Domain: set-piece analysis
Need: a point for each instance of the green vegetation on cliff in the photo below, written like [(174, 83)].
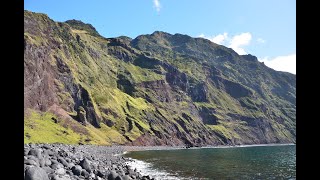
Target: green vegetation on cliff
[(157, 89)]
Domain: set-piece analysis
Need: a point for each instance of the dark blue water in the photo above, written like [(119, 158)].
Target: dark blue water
[(257, 162)]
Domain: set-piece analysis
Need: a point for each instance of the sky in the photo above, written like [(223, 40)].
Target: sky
[(263, 28)]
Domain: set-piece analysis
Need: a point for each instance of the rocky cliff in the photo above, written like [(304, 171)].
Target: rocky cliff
[(156, 89)]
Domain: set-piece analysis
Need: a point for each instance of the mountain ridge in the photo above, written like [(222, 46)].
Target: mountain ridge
[(156, 89)]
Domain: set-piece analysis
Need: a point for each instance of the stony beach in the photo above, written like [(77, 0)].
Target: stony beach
[(74, 162)]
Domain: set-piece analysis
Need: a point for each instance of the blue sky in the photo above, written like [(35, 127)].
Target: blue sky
[(264, 28)]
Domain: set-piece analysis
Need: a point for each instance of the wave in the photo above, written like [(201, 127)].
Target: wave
[(146, 169)]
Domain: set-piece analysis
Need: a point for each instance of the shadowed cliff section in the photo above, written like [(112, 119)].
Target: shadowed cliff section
[(157, 89)]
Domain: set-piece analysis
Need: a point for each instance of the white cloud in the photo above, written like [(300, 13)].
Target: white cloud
[(219, 39), (157, 5), (202, 35), (235, 42), (260, 40), (281, 63), (240, 40)]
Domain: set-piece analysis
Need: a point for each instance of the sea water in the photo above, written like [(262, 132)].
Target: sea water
[(246, 162)]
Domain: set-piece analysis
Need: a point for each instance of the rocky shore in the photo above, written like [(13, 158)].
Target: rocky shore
[(75, 162)]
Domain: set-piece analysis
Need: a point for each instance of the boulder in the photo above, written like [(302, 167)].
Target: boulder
[(35, 152), (76, 170), (85, 164), (36, 173), (113, 175)]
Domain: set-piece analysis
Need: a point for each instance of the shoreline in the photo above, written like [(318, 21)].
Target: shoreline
[(71, 162), (154, 148)]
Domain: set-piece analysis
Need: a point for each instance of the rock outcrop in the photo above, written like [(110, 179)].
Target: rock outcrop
[(157, 89)]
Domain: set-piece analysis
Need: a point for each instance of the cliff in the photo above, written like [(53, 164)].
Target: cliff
[(156, 89)]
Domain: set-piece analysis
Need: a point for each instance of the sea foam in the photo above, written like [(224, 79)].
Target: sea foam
[(145, 169)]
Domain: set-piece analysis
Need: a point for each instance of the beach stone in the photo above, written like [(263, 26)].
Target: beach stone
[(85, 173), (50, 153), (28, 166), (112, 175), (145, 177), (76, 170), (56, 166), (126, 177), (46, 146), (100, 174), (31, 162), (88, 162), (53, 161), (130, 171), (35, 152), (48, 162), (115, 167), (118, 178), (36, 173), (70, 165), (33, 158), (56, 177), (42, 162), (98, 178), (85, 164), (69, 172), (26, 151), (63, 153), (60, 171), (63, 162), (92, 175), (68, 160), (48, 170)]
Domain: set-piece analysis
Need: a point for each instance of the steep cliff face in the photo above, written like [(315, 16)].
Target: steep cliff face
[(157, 89)]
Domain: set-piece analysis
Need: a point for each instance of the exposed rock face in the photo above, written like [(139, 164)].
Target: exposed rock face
[(157, 89)]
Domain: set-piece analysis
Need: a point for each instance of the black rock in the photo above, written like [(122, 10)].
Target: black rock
[(100, 174), (85, 164), (146, 177), (118, 178), (69, 172), (85, 173), (36, 173), (76, 170)]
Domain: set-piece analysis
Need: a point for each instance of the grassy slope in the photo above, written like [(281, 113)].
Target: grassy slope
[(99, 76), (39, 127)]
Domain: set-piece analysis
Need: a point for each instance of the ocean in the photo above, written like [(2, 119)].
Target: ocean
[(244, 162)]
